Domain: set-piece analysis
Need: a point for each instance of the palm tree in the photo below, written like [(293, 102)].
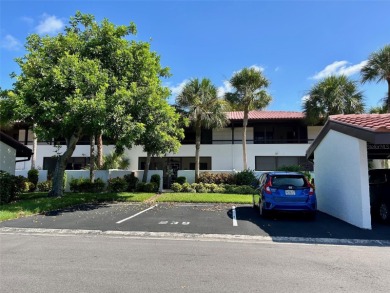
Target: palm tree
[(330, 96), (200, 101), (250, 94), (378, 68)]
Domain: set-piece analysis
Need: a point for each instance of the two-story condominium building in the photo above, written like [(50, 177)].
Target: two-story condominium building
[(274, 139)]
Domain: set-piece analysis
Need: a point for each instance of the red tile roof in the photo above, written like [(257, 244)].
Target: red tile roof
[(265, 115), (372, 122)]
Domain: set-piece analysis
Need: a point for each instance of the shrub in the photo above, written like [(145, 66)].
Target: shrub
[(85, 185), (117, 184), (151, 187), (181, 180), (244, 189), (140, 186), (246, 177), (131, 181), (210, 186), (31, 187), (10, 187), (219, 189), (33, 176), (291, 168), (200, 187), (155, 179), (296, 168), (176, 187), (146, 187), (220, 178), (44, 186)]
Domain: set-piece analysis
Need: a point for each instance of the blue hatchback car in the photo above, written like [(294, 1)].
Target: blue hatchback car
[(285, 191)]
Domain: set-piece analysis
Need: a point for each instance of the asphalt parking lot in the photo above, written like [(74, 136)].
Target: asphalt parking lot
[(197, 218)]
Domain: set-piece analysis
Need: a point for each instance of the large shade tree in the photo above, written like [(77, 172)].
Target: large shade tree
[(72, 85), (330, 96), (199, 100), (249, 94), (378, 68), (163, 127)]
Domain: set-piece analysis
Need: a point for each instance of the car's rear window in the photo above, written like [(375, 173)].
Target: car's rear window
[(291, 180)]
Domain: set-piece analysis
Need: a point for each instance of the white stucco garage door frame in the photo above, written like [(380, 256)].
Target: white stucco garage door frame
[(341, 164)]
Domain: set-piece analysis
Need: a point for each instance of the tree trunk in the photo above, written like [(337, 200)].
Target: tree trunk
[(58, 178), (92, 159), (34, 149), (99, 161), (244, 125), (147, 165), (198, 131)]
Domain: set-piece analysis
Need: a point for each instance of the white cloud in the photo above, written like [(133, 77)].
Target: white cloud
[(175, 90), (10, 43), (27, 20), (305, 98), (225, 88), (339, 68), (258, 68), (49, 25)]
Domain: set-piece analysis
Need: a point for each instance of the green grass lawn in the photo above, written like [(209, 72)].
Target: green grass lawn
[(28, 204), (38, 202)]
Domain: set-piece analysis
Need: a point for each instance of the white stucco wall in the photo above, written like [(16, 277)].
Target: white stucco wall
[(341, 174), (224, 156), (7, 158)]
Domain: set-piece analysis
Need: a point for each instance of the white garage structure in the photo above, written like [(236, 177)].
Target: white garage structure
[(341, 152)]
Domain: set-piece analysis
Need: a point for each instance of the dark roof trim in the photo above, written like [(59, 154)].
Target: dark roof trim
[(358, 132), (21, 149)]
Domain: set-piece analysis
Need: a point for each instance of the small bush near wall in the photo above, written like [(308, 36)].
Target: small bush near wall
[(117, 184), (44, 186), (85, 185), (10, 186), (246, 177), (296, 168), (212, 188), (176, 187), (181, 180), (155, 179), (147, 187), (33, 177), (220, 178), (132, 181)]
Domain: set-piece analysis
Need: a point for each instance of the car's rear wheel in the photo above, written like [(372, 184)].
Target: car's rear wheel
[(384, 212)]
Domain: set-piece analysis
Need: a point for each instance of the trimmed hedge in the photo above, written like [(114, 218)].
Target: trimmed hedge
[(85, 185), (212, 188)]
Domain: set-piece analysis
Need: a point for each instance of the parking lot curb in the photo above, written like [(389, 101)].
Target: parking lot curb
[(195, 236)]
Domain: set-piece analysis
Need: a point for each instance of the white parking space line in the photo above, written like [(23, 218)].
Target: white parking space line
[(121, 221), (234, 216)]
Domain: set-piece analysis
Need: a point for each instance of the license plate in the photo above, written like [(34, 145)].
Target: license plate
[(290, 192)]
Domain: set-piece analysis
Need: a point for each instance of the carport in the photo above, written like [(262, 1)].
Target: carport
[(341, 153)]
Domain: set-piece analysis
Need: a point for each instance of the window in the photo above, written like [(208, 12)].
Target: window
[(272, 163)]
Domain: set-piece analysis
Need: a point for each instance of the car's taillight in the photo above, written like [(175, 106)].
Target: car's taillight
[(311, 190), (267, 188)]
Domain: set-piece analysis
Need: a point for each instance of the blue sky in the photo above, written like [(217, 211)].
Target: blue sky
[(294, 43)]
